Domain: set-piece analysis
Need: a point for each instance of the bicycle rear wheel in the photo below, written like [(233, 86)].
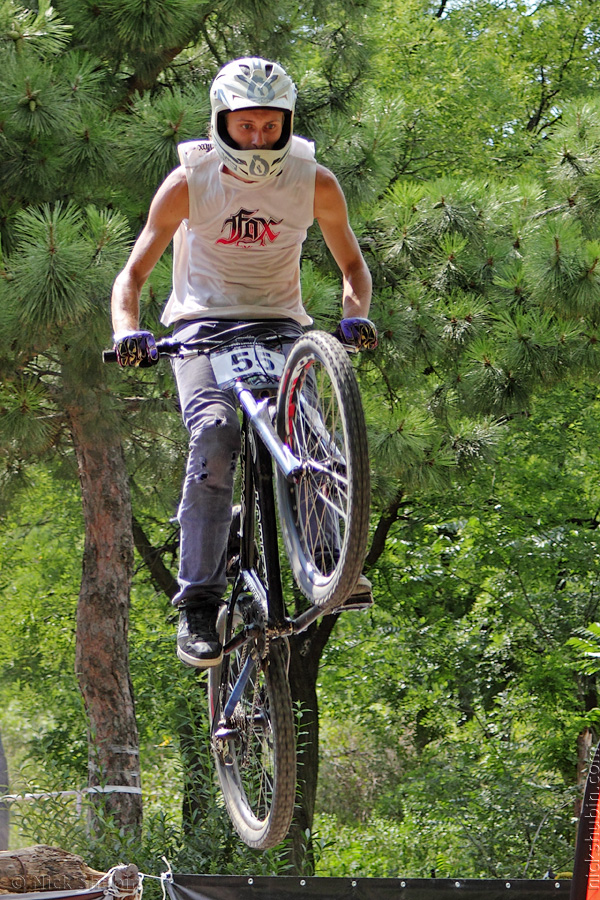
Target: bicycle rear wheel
[(325, 515), (255, 747)]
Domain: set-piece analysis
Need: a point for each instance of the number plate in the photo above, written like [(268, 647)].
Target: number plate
[(253, 364)]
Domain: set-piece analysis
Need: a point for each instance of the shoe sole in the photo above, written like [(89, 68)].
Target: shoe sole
[(355, 603), (195, 663)]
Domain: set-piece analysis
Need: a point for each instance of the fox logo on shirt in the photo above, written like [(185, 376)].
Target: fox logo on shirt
[(245, 227)]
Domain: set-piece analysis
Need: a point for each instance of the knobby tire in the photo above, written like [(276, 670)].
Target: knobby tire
[(325, 515), (257, 767)]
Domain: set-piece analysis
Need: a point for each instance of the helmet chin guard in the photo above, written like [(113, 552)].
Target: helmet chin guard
[(250, 83)]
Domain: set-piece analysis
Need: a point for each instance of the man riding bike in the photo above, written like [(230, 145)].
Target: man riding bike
[(237, 209)]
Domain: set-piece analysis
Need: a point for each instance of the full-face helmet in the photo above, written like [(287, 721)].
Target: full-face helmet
[(244, 84)]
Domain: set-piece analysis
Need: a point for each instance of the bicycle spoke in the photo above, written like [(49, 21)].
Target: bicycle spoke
[(323, 492)]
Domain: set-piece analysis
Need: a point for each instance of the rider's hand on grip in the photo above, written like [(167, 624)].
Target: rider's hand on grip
[(136, 348), (357, 332)]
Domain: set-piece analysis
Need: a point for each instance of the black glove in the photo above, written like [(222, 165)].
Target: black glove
[(357, 332), (136, 348)]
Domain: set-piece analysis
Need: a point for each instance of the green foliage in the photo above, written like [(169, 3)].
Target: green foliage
[(40, 30), (149, 149), (467, 144), (43, 722), (461, 691), (45, 277), (587, 645), (484, 83)]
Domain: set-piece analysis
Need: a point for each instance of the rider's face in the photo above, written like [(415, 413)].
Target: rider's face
[(255, 129)]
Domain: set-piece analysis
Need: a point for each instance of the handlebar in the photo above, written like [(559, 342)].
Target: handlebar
[(262, 331)]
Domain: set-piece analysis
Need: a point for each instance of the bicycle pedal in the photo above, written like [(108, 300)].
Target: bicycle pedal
[(224, 754), (224, 733)]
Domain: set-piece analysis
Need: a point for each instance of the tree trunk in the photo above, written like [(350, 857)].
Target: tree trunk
[(306, 650), (4, 809), (102, 654)]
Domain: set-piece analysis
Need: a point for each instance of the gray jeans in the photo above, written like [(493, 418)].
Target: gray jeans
[(204, 515)]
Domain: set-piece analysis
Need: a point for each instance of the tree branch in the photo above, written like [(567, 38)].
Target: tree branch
[(547, 96), (387, 519), (139, 84), (162, 579)]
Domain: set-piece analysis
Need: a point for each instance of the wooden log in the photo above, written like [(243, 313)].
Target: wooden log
[(44, 868)]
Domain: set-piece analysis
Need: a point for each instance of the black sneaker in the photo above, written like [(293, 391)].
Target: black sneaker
[(198, 643)]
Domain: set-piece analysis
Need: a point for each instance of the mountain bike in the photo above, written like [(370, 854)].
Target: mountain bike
[(302, 420)]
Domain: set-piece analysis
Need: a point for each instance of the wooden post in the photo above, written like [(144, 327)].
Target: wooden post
[(124, 882)]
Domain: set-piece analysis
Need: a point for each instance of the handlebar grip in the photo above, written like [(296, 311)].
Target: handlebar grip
[(166, 347)]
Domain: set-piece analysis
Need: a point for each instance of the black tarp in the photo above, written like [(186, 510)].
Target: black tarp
[(262, 887), (83, 894)]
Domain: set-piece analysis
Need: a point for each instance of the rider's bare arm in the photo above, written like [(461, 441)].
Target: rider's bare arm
[(331, 212), (169, 207)]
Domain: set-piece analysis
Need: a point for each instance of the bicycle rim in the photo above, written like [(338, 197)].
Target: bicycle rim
[(254, 751), (325, 515)]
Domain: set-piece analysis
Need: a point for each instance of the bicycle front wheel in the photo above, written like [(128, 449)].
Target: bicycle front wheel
[(254, 747), (325, 515)]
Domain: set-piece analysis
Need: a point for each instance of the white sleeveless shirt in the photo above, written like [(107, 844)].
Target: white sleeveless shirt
[(237, 256)]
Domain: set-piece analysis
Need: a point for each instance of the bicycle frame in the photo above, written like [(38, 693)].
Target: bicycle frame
[(257, 421), (261, 444)]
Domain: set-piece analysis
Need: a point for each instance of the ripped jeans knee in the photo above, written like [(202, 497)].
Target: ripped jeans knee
[(213, 452)]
